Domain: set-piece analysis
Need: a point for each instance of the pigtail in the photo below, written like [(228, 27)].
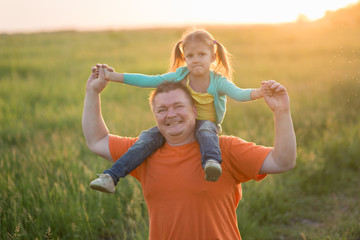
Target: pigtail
[(177, 57), (222, 61)]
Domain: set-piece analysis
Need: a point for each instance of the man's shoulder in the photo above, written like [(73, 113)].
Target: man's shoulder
[(231, 143), (230, 138), (116, 138), (242, 159), (119, 145)]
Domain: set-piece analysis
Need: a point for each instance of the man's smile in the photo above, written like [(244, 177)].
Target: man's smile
[(173, 123)]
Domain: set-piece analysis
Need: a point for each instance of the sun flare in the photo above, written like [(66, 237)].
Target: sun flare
[(50, 16), (258, 11), (314, 10)]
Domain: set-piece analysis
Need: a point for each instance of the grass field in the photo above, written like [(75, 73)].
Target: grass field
[(46, 167)]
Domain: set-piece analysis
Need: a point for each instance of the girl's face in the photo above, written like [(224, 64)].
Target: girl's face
[(198, 58)]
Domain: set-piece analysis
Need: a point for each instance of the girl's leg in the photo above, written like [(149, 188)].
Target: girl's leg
[(207, 137), (149, 141)]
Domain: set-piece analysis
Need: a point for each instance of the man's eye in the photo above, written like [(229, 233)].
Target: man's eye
[(161, 111)]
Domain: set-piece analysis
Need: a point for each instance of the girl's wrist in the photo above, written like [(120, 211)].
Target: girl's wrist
[(256, 94), (115, 77)]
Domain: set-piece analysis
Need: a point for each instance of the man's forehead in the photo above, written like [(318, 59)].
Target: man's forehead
[(170, 98)]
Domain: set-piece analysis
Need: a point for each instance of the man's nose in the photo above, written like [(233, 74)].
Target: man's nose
[(171, 112)]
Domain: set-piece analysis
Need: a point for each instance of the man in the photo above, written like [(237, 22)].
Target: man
[(181, 204)]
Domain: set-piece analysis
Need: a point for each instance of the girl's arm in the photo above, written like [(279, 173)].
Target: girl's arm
[(147, 81), (240, 94), (110, 73), (114, 76), (135, 79), (141, 80), (229, 89)]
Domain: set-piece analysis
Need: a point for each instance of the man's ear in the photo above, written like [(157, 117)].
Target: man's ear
[(195, 111)]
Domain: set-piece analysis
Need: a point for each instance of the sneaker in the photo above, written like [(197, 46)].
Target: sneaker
[(212, 170), (104, 183)]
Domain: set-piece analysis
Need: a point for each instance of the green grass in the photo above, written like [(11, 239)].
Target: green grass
[(45, 165)]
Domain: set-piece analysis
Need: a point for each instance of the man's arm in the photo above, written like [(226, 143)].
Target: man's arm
[(283, 157), (94, 128)]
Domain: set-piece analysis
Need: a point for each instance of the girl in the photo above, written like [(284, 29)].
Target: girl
[(202, 64)]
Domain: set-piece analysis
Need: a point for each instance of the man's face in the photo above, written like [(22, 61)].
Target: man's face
[(175, 116)]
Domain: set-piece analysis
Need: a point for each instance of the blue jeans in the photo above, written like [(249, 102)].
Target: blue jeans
[(207, 137), (150, 140)]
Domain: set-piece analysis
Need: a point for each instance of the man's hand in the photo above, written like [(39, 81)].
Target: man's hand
[(96, 81), (109, 72), (106, 68), (276, 96)]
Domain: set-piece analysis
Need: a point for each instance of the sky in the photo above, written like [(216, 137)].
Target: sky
[(54, 15)]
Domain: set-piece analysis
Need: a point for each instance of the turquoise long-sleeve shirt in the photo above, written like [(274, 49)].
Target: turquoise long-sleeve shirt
[(219, 87)]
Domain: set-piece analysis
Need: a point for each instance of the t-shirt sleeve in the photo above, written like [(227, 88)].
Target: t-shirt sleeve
[(243, 159), (118, 146)]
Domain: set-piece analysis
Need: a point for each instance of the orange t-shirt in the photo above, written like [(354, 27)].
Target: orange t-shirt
[(181, 204)]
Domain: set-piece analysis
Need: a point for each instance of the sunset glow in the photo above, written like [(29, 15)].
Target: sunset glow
[(47, 15)]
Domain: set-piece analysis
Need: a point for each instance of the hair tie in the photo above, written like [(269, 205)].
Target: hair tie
[(215, 42)]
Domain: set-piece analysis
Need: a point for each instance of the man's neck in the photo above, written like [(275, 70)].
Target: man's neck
[(179, 142)]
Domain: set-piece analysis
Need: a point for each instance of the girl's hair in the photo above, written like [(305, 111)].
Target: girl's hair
[(221, 65)]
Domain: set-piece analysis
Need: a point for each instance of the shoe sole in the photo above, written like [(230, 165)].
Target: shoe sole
[(100, 188), (212, 174)]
